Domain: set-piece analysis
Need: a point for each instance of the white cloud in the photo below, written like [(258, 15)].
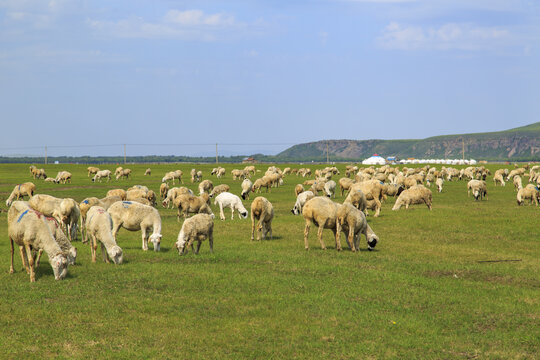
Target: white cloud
[(198, 18), (449, 36)]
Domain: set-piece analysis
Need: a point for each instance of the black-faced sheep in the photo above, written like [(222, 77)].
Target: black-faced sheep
[(353, 221), (301, 199)]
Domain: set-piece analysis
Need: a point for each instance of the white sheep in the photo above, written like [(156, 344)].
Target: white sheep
[(301, 199), (99, 227), (29, 230), (529, 192), (263, 211), (518, 184), (189, 204), (148, 172), (478, 188), (219, 189), (322, 212), (20, 190), (226, 199), (102, 174), (196, 228), (330, 188), (66, 211), (247, 187), (173, 193), (353, 221), (418, 194), (205, 186), (133, 216), (439, 183)]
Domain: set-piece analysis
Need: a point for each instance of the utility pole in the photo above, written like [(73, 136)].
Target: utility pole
[(216, 154), (462, 149), (45, 155), (124, 154), (327, 160)]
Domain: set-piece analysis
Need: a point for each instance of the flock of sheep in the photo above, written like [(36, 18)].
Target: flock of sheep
[(50, 224)]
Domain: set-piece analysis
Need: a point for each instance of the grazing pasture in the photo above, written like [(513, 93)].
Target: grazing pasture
[(430, 289)]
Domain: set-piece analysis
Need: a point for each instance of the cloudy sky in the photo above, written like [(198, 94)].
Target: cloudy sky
[(265, 74)]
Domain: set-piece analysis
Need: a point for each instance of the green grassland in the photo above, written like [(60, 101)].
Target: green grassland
[(422, 294)]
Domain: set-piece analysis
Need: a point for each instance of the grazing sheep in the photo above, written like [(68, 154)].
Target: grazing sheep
[(418, 194), (29, 230), (392, 189), (298, 189), (317, 186), (63, 177), (66, 211), (520, 171), (189, 204), (205, 186), (92, 170), (118, 170), (353, 221), (21, 190), (124, 173), (345, 184), (163, 188), (148, 172), (373, 190), (247, 187), (220, 172), (62, 240), (117, 192), (322, 212), (498, 178), (239, 174), (196, 228), (528, 192), (478, 188), (99, 226), (226, 199), (195, 175), (135, 193), (174, 193), (263, 211), (301, 199), (133, 216), (198, 176), (102, 174), (439, 183), (170, 176), (357, 199), (330, 188), (518, 184), (260, 183), (219, 189), (50, 179)]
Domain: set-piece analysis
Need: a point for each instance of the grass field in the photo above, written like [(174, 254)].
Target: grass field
[(422, 294)]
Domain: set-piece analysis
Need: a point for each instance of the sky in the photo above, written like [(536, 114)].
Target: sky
[(173, 77)]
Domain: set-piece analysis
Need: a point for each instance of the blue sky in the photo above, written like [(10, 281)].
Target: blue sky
[(260, 72)]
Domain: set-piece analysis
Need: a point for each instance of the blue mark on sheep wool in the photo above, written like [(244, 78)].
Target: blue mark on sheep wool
[(127, 202), (537, 188), (85, 202), (20, 217)]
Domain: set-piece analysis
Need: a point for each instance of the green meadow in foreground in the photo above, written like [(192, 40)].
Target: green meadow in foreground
[(425, 292)]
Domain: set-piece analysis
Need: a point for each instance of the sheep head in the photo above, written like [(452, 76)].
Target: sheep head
[(72, 256), (372, 240), (156, 240), (59, 264), (180, 243), (116, 254)]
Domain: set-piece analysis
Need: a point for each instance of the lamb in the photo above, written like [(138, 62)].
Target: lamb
[(518, 184), (197, 228), (21, 190), (351, 219), (148, 172), (66, 211), (232, 201), (125, 173), (263, 211), (322, 212), (330, 188), (29, 230), (192, 204), (133, 216), (418, 194), (247, 187), (102, 174), (99, 226), (205, 186), (298, 189), (250, 169), (528, 192), (174, 193), (478, 188), (92, 170), (117, 192), (219, 189), (301, 199), (439, 183)]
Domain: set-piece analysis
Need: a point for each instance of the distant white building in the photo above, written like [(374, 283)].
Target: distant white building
[(374, 160), (439, 161)]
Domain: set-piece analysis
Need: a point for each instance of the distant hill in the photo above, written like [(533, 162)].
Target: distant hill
[(518, 144)]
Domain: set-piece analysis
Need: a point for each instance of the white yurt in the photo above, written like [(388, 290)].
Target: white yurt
[(374, 160)]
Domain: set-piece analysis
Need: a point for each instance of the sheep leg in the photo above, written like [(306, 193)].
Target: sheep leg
[(232, 213), (40, 252), (377, 207), (268, 230), (252, 226), (11, 269), (144, 239), (306, 233), (350, 240), (338, 239), (221, 214), (93, 247), (30, 262), (198, 247), (319, 235), (211, 240), (115, 229), (104, 254)]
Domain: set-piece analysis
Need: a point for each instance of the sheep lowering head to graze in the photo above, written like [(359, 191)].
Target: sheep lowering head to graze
[(247, 187), (478, 188), (529, 192), (124, 173), (102, 174), (92, 170), (357, 198), (21, 190), (298, 189), (226, 199), (133, 216), (330, 188), (196, 228), (263, 211), (345, 184), (322, 212), (29, 230), (99, 227), (301, 199), (439, 183), (189, 204), (373, 190), (173, 193), (148, 172), (66, 211), (418, 194), (163, 188), (353, 221), (205, 186), (219, 189), (518, 184)]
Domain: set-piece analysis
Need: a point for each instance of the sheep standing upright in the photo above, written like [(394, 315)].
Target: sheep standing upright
[(29, 230), (226, 199), (133, 216), (353, 221), (322, 212), (196, 228), (99, 227), (263, 211)]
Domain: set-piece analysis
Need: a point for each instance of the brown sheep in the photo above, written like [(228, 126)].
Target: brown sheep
[(263, 211)]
